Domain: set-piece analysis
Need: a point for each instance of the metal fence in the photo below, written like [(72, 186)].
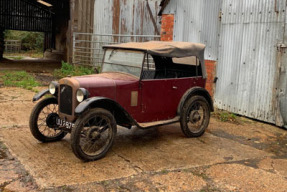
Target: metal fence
[(87, 47), (12, 46)]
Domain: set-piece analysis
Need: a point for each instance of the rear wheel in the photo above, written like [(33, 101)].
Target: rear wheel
[(195, 116), (93, 134), (43, 121)]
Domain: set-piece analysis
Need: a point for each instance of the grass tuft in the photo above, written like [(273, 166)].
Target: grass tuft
[(68, 69), (225, 116), (19, 79)]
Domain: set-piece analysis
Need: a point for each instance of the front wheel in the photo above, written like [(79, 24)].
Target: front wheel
[(43, 121), (93, 134), (195, 116)]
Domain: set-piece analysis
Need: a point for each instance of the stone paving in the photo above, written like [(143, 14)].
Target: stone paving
[(247, 156)]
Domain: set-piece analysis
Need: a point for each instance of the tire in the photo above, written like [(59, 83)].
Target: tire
[(42, 121), (93, 134), (195, 116)]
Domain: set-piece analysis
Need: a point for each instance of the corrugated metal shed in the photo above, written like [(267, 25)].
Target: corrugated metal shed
[(197, 21), (250, 32), (251, 69)]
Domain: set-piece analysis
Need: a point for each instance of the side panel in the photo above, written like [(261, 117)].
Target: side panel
[(160, 98), (128, 96)]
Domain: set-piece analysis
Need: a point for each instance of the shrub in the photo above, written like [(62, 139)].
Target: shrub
[(68, 69)]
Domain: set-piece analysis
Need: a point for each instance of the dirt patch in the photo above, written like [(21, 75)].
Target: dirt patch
[(44, 78), (32, 66)]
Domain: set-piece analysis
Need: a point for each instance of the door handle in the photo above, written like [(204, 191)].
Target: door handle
[(174, 87)]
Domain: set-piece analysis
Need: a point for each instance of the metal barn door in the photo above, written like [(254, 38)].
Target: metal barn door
[(281, 91), (248, 59)]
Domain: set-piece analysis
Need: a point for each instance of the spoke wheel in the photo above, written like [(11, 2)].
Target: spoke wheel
[(43, 121), (195, 116), (93, 134)]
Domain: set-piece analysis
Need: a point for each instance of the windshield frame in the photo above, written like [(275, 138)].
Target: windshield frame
[(141, 66)]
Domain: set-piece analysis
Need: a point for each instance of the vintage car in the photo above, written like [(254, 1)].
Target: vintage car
[(141, 84)]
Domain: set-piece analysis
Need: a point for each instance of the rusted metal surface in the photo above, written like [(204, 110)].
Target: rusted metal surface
[(126, 17), (111, 21), (74, 84)]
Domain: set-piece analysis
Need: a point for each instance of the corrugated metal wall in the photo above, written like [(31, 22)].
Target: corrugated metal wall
[(244, 43), (250, 32), (128, 17), (197, 21)]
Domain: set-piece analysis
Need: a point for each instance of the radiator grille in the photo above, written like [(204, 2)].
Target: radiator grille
[(66, 99)]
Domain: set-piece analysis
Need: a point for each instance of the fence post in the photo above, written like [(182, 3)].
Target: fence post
[(74, 48), (2, 43)]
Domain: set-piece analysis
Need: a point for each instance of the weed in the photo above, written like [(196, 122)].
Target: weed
[(68, 69), (19, 79), (225, 116)]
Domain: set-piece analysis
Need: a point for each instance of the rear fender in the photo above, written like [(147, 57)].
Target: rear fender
[(195, 91), (121, 115)]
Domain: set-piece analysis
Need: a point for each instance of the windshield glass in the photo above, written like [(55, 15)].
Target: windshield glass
[(117, 60)]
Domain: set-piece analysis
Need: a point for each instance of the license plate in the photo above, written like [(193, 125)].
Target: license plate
[(63, 123)]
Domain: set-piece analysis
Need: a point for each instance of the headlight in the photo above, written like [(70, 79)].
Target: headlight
[(82, 94), (53, 87)]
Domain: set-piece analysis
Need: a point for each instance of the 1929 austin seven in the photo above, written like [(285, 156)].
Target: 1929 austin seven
[(141, 84)]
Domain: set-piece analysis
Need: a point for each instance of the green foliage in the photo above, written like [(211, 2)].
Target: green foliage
[(68, 69), (225, 116), (19, 79), (30, 40)]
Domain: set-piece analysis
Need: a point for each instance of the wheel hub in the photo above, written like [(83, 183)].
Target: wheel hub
[(51, 120), (93, 134), (194, 117)]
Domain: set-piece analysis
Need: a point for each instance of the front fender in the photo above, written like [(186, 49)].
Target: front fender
[(40, 95), (121, 115), (87, 103)]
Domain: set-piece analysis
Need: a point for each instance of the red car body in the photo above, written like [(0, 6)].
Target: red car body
[(158, 99), (141, 84)]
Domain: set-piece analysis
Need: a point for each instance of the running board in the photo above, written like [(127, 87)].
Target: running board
[(158, 123)]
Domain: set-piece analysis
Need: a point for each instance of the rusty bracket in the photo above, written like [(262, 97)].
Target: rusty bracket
[(281, 47), (276, 6)]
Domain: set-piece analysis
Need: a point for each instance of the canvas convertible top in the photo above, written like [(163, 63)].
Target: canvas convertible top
[(166, 49)]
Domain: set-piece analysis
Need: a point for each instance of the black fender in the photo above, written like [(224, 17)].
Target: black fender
[(121, 115), (195, 91), (40, 95)]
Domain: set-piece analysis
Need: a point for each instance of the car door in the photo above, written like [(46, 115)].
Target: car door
[(158, 99)]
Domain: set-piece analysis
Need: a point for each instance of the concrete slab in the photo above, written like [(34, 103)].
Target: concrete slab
[(166, 148), (54, 164), (274, 165), (16, 105), (134, 151), (236, 177)]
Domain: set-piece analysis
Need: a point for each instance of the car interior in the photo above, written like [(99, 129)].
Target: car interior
[(158, 67)]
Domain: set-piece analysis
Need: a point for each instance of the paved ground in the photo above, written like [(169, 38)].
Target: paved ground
[(249, 156)]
